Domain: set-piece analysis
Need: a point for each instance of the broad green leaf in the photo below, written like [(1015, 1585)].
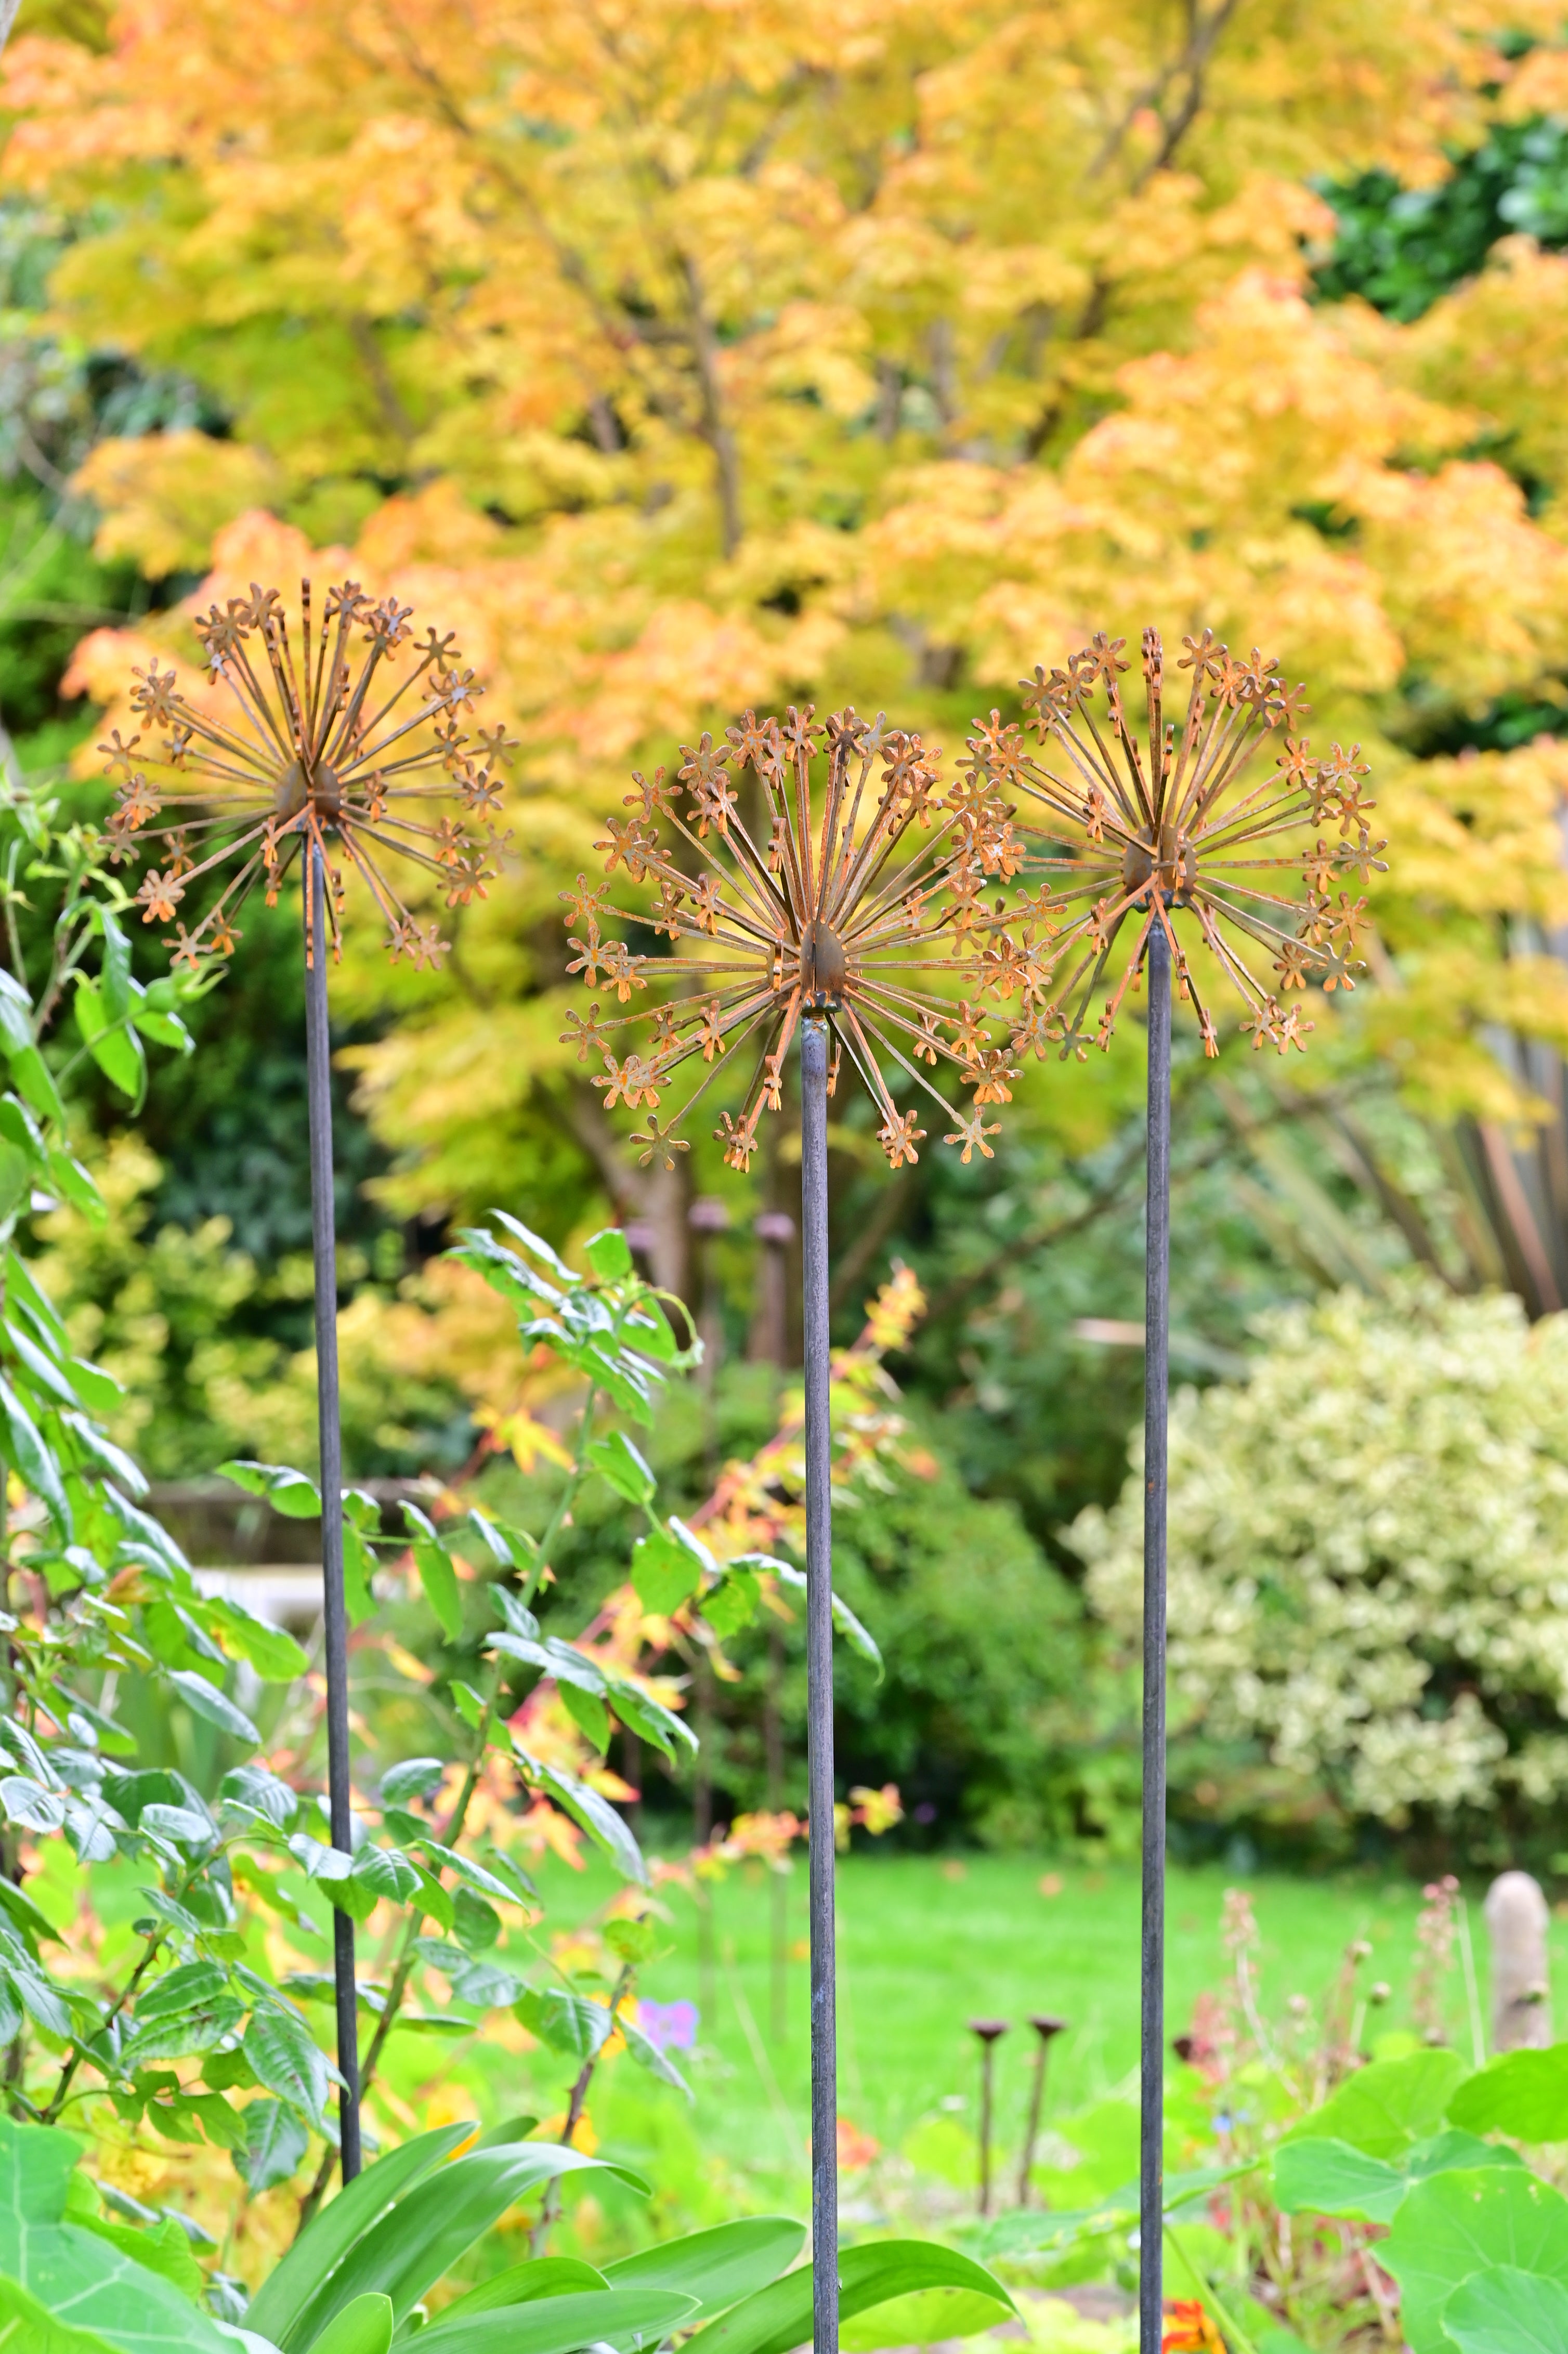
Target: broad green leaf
[(117, 983), (429, 2228), (475, 1924), (359, 1566), (1383, 2109), (77, 2276), (1503, 2310), (651, 1720), (74, 1184), (20, 1908), (624, 1466), (287, 1490), (24, 1801), (165, 2250), (1524, 2093), (731, 1605), (287, 2061), (216, 1706), (533, 1244), (718, 2266), (34, 1460), (386, 1874), (43, 1368), (27, 2326), (363, 2327), (626, 2319), (609, 1255), (1456, 2224), (278, 2303), (778, 2318), (1330, 2178)]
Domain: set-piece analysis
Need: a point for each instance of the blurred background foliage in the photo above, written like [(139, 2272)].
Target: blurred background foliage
[(854, 352)]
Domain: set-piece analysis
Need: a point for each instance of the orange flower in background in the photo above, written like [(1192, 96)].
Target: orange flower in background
[(1188, 2329)]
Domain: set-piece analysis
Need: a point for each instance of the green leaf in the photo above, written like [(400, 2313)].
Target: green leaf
[(588, 1713), (778, 2318), (113, 1045), (363, 2327), (80, 2277), (524, 2284), (1383, 2109), (475, 1924), (1503, 2310), (427, 2230), (928, 2317), (609, 1255), (287, 1490), (189, 1988), (731, 1605), (1524, 2093), (267, 1793), (1328, 2178), (270, 1650), (166, 2251), (359, 1566), (216, 1706), (412, 1777), (531, 1243), (594, 1813), (631, 1941), (281, 2300), (616, 1459), (287, 2061), (569, 2023), (469, 1704), (439, 1577), (72, 1182), (27, 2326), (664, 1572), (117, 983), (648, 2055), (19, 1907), (35, 1462), (1456, 2224), (386, 1874), (626, 2319), (718, 2266)]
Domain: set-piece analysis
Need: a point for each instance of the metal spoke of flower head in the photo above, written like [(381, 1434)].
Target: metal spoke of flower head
[(280, 763), (1139, 845), (849, 919)]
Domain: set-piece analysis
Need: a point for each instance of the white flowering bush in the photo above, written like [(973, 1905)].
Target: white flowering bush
[(1369, 1552)]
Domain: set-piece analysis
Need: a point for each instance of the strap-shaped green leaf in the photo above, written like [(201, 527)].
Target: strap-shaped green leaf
[(778, 2317), (625, 2318), (719, 2266)]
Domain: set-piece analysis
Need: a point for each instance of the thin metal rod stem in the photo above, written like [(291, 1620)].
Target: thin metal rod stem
[(1032, 2130), (1155, 1378), (318, 1057), (819, 1686), (987, 2089)]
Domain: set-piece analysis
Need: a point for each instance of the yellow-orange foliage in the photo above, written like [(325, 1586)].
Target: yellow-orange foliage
[(720, 352)]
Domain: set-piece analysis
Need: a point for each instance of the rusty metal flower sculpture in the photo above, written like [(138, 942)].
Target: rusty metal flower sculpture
[(348, 743), (1133, 837), (1140, 844), (345, 747), (849, 916), (862, 900)]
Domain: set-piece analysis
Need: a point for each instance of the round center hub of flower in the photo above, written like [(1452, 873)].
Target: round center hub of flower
[(1174, 870), (296, 787), (823, 966)]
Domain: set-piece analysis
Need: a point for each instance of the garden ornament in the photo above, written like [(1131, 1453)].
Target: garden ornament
[(849, 919), (989, 2032), (1045, 2029), (1144, 849), (350, 749)]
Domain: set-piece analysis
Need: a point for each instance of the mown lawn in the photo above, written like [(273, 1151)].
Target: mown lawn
[(926, 1944)]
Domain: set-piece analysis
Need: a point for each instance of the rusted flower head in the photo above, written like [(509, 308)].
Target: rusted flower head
[(1131, 835), (342, 749), (803, 898)]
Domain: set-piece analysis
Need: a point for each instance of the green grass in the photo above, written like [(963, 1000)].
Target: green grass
[(925, 1945)]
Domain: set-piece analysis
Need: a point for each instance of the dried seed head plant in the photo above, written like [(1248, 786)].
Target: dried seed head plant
[(836, 914), (1131, 836), (349, 743)]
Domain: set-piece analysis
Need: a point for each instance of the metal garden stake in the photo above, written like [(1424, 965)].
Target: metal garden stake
[(1045, 2029), (841, 928), (269, 760), (1130, 838), (989, 2032)]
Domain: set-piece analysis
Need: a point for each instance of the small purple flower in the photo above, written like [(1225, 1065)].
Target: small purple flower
[(669, 2026)]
